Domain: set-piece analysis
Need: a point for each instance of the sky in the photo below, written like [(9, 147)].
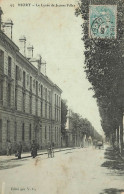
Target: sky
[(55, 32)]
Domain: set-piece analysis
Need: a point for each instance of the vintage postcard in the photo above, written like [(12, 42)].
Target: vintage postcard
[(61, 97)]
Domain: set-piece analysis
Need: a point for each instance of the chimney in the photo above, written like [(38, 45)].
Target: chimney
[(43, 68), (39, 64), (30, 51), (7, 28), (1, 12), (22, 42)]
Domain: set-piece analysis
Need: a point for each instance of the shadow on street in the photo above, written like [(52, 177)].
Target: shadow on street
[(116, 164), (12, 163), (8, 164), (113, 191), (113, 162)]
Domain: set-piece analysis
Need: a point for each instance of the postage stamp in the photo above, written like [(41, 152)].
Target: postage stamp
[(102, 21)]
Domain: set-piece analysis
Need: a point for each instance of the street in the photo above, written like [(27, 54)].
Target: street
[(77, 171)]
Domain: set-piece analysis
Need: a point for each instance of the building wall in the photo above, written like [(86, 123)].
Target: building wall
[(30, 104)]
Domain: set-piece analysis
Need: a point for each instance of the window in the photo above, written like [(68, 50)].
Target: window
[(16, 98), (58, 134), (23, 101), (36, 133), (30, 83), (34, 83), (9, 66), (27, 79), (24, 79), (49, 133), (41, 91), (41, 132), (8, 130), (23, 132), (9, 94), (46, 110), (55, 113), (55, 133), (36, 107), (55, 99), (37, 88), (1, 92), (49, 96), (0, 130), (59, 116), (46, 94), (49, 112), (30, 132), (59, 101), (15, 132), (41, 109), (1, 61), (30, 103), (45, 133), (16, 72)]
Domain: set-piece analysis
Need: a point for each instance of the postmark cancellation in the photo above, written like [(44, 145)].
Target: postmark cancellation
[(102, 21)]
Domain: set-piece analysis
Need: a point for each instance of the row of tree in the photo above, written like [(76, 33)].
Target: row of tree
[(104, 67), (78, 126), (83, 126)]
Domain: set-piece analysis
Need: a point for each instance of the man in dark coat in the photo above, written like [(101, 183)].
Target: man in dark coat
[(19, 150), (53, 149), (34, 149)]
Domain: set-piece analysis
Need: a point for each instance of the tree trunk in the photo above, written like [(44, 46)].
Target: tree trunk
[(121, 133), (113, 137), (117, 135)]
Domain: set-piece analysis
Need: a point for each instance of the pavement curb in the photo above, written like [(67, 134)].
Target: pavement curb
[(39, 154)]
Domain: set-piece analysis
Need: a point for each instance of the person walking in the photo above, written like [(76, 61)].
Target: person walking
[(9, 148), (19, 150), (49, 150), (33, 149), (53, 149)]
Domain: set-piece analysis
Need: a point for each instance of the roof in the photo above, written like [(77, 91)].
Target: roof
[(23, 58)]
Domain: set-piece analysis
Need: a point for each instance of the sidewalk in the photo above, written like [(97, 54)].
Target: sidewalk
[(40, 152)]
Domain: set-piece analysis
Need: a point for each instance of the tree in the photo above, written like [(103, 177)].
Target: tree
[(64, 110), (81, 126), (104, 65)]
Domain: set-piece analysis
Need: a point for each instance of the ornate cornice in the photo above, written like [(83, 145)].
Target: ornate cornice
[(8, 43)]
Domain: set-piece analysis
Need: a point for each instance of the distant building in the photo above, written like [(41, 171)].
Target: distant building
[(75, 137), (30, 103)]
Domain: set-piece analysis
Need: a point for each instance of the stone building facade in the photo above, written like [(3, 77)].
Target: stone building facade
[(30, 103)]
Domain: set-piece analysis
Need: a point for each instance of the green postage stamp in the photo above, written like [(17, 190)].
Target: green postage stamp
[(102, 21)]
